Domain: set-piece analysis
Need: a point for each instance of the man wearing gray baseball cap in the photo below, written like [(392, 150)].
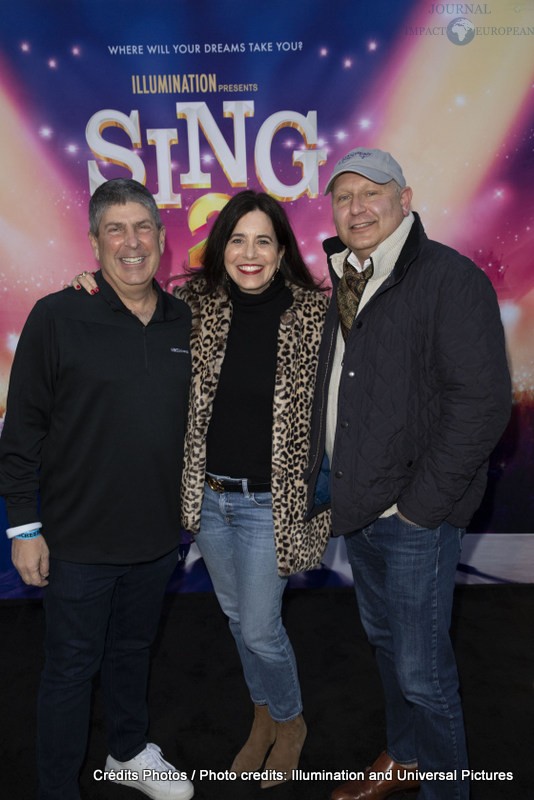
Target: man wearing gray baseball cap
[(413, 393)]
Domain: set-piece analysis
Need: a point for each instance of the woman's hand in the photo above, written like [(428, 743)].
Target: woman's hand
[(85, 280)]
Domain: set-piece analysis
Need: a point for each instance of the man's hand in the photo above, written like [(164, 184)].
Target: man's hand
[(31, 560)]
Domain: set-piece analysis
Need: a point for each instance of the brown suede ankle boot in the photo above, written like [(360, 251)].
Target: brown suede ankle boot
[(263, 733), (284, 757)]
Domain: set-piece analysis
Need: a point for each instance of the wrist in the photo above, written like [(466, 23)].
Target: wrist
[(28, 535), (17, 530)]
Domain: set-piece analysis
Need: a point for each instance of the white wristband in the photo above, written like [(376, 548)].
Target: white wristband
[(31, 526)]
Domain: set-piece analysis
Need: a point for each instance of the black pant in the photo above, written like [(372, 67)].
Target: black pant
[(97, 617)]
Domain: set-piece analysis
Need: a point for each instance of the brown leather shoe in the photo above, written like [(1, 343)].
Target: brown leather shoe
[(394, 778)]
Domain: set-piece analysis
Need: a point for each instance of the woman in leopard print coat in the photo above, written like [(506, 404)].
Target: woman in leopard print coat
[(257, 322)]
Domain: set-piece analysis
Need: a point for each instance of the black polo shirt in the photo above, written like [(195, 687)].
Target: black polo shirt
[(95, 423)]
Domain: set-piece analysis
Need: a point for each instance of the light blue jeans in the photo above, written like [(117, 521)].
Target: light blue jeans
[(404, 581), (236, 541)]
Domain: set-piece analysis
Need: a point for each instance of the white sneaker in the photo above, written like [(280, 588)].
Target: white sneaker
[(151, 774)]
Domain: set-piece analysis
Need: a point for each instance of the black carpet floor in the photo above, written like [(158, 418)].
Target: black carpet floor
[(200, 713)]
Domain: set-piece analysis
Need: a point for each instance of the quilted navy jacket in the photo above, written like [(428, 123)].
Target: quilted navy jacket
[(424, 394)]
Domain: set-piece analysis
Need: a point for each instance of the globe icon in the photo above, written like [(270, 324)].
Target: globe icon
[(460, 31)]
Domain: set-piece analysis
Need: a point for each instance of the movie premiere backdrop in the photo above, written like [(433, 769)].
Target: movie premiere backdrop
[(198, 100)]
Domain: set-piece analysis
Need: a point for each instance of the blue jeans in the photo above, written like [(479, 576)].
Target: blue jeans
[(98, 617), (404, 581), (236, 541)]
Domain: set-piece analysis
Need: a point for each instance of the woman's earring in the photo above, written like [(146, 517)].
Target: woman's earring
[(275, 273)]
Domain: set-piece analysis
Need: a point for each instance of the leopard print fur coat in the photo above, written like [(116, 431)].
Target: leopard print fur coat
[(299, 543)]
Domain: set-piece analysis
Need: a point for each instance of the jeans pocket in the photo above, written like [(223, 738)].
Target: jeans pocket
[(262, 499), (408, 523)]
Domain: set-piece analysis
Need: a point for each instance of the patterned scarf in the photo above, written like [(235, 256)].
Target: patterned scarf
[(349, 294)]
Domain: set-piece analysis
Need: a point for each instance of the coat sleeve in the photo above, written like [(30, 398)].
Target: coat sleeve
[(29, 406), (473, 383)]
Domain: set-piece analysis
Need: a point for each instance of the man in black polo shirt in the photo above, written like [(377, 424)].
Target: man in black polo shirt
[(96, 417)]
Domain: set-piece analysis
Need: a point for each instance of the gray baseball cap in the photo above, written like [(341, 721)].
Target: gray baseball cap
[(376, 165)]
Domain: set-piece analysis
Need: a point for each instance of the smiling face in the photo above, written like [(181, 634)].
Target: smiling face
[(366, 213), (128, 247), (252, 254)]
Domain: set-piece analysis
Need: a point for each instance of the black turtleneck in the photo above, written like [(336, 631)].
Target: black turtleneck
[(239, 442)]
